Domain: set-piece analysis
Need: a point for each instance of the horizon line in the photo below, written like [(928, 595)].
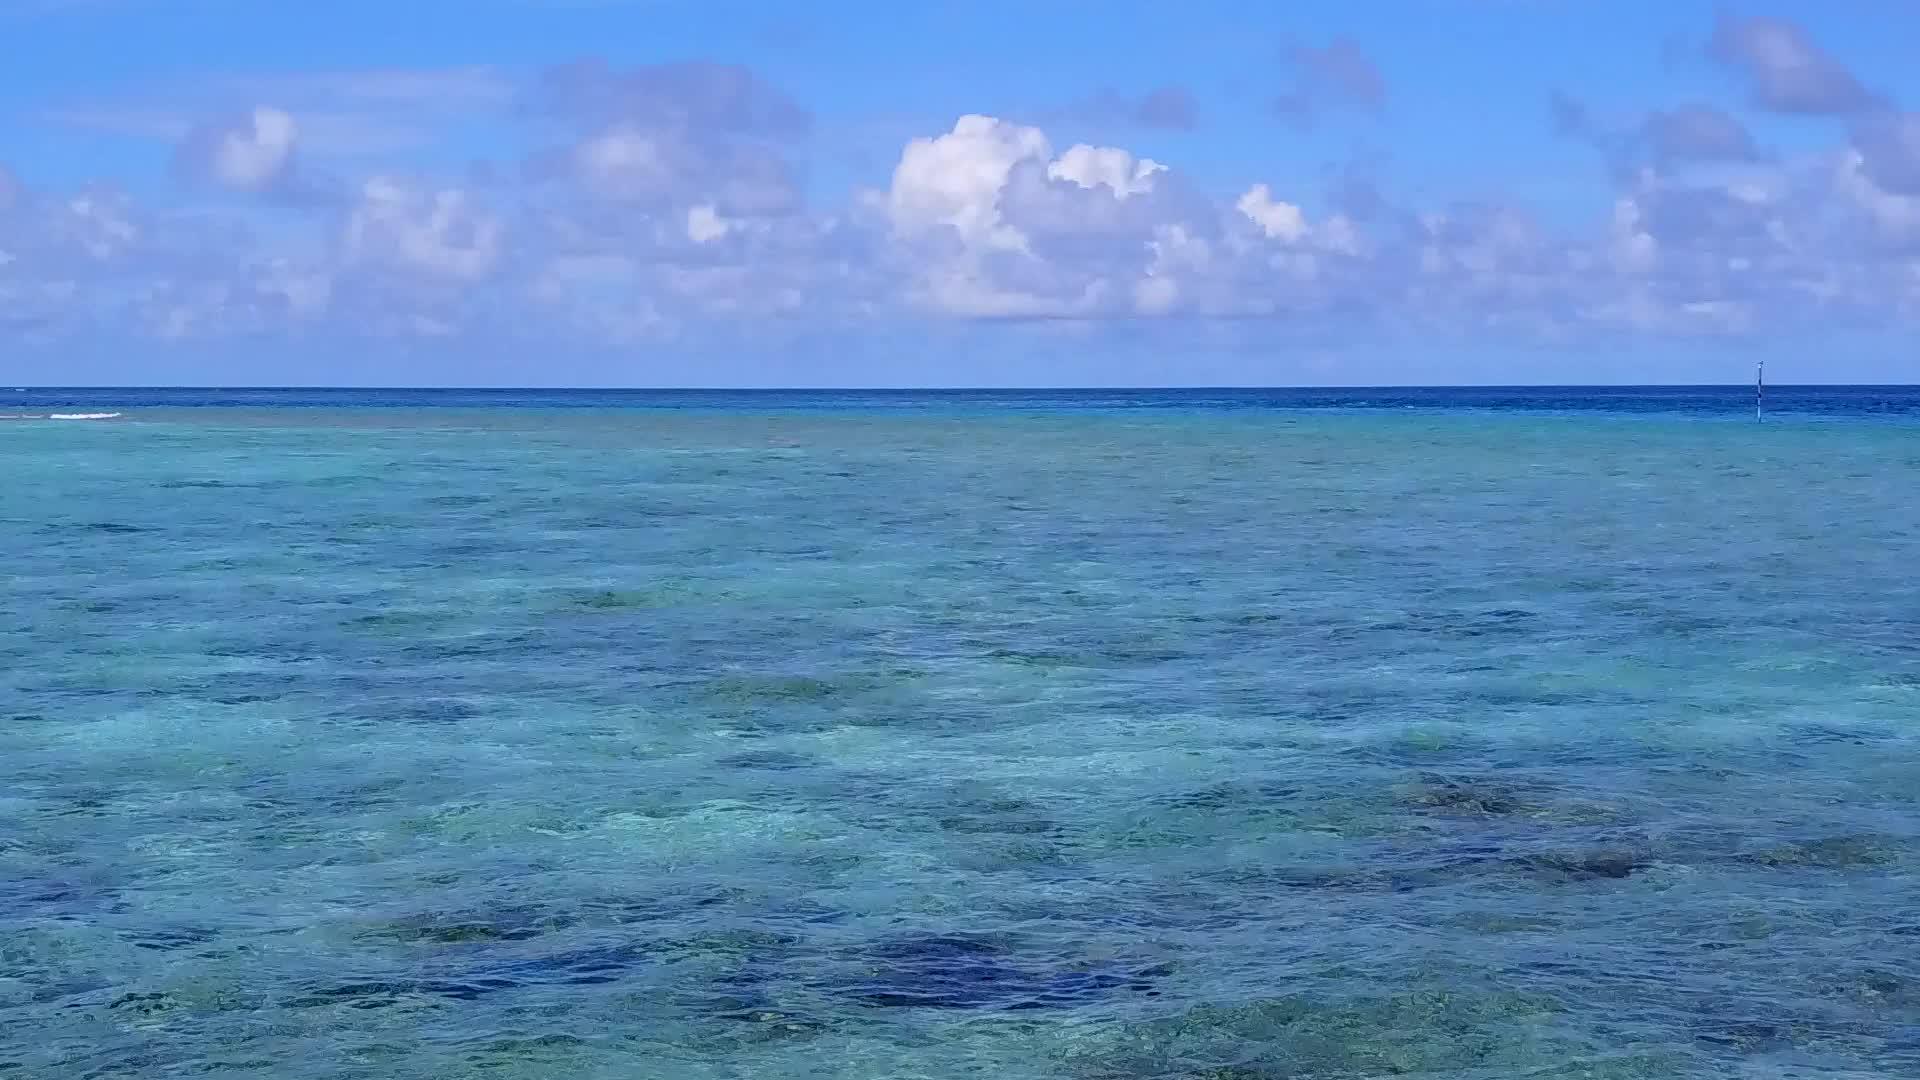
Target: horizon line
[(503, 388)]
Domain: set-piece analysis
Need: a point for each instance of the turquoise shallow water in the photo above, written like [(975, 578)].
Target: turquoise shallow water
[(1233, 744)]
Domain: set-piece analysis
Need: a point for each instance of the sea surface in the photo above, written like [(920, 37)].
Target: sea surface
[(1090, 735)]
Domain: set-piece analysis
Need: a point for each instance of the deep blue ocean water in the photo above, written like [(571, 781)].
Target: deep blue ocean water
[(1699, 401), (1100, 735)]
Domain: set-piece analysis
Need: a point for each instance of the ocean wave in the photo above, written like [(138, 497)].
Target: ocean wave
[(60, 416)]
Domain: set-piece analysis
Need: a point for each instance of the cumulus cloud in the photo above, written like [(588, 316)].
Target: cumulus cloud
[(1094, 166), (954, 180), (250, 152), (1785, 70), (1003, 227), (1278, 220), (94, 261), (1339, 74), (666, 205), (704, 224)]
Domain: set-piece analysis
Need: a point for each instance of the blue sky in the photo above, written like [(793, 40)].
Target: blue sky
[(626, 192)]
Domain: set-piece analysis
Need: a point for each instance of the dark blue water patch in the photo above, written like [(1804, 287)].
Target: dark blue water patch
[(1464, 623), (379, 993), (176, 938), (1232, 795), (961, 809), (85, 799), (592, 965), (286, 801), (965, 971), (28, 897), (106, 528), (482, 646), (207, 484), (472, 957), (1825, 734), (236, 688), (1133, 908), (768, 761), (430, 932), (431, 711), (480, 933), (997, 824)]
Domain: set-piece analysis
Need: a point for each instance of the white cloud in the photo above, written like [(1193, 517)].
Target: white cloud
[(704, 223), (648, 169), (668, 208), (251, 153), (965, 292), (1175, 253), (601, 298), (1090, 166), (994, 225), (1155, 294), (1633, 250), (100, 223), (955, 179), (438, 233), (1895, 216), (623, 164), (1279, 220), (304, 291)]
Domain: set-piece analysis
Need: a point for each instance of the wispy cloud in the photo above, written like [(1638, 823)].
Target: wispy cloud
[(357, 113)]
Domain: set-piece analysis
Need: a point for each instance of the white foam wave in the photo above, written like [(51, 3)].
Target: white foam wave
[(60, 416)]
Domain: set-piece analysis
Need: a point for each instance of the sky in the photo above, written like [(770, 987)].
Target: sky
[(1059, 193)]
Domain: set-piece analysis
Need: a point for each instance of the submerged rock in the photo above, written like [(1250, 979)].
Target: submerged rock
[(1480, 798), (1828, 853), (1429, 1032), (1589, 865)]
